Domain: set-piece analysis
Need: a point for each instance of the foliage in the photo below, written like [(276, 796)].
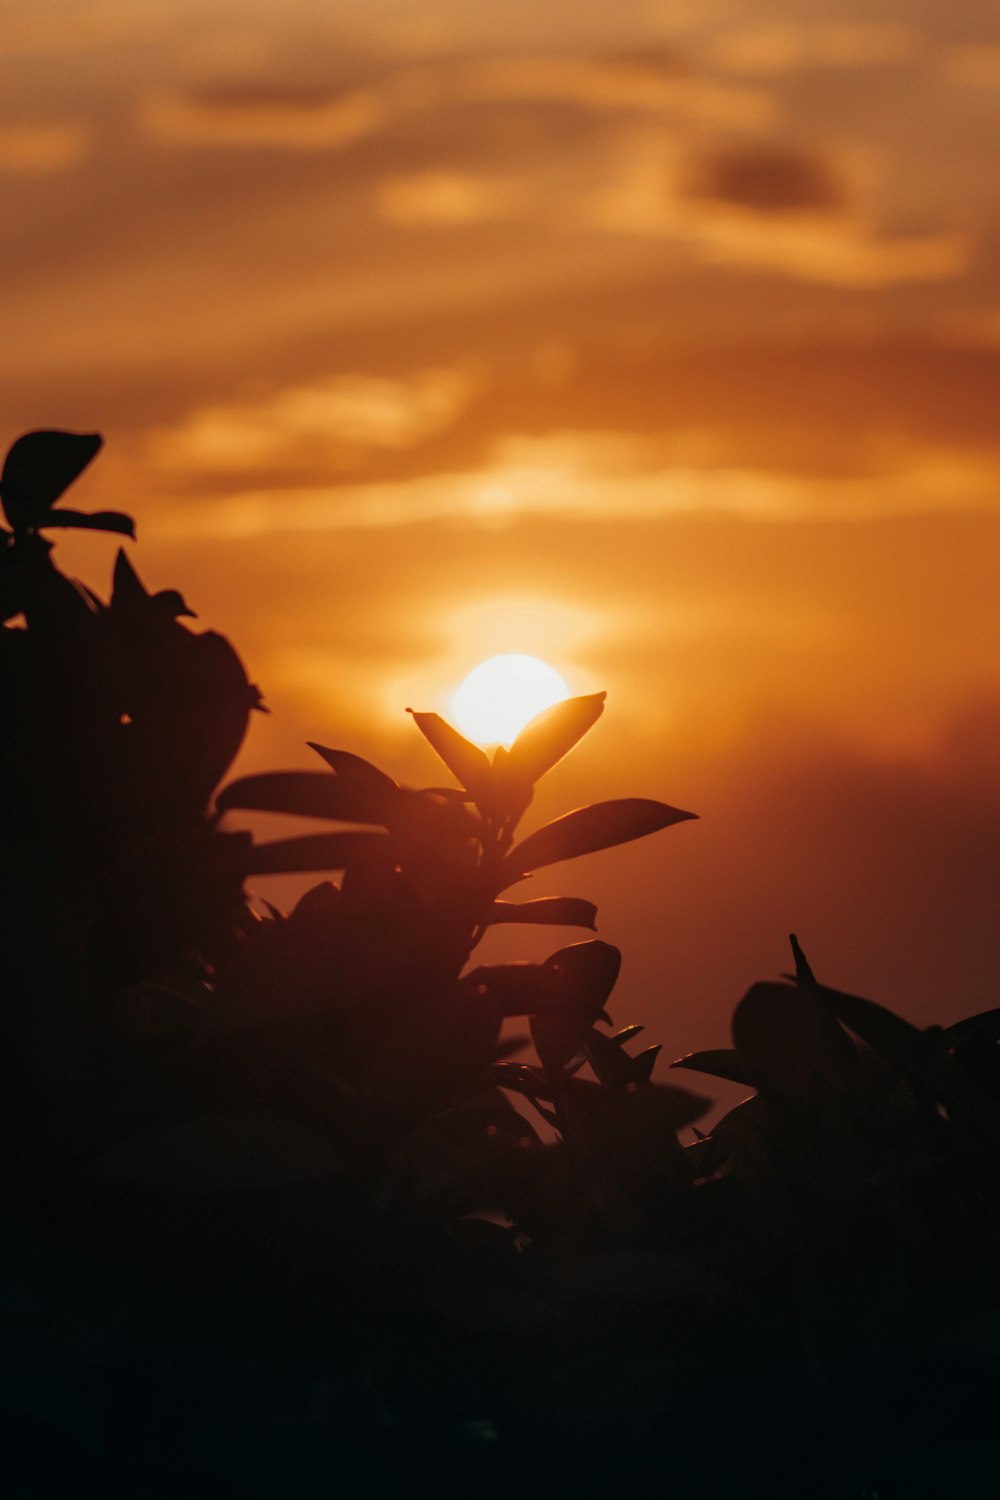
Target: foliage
[(279, 1221)]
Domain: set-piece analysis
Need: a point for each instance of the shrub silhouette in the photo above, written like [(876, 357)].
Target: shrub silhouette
[(278, 1221)]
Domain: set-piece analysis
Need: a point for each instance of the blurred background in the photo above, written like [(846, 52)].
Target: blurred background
[(657, 338)]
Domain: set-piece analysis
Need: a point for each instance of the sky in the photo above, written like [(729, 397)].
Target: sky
[(658, 338)]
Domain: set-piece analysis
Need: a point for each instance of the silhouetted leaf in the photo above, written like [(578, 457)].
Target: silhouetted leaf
[(585, 975), (982, 1027), (551, 734), (626, 1033), (39, 466), (131, 599), (609, 1061), (531, 1083), (305, 794), (977, 1053), (510, 792), (803, 973), (641, 1068), (320, 901), (632, 1130), (613, 1065), (746, 1117), (889, 1035), (355, 771), (523, 1079), (556, 911), (599, 826), (520, 989), (587, 970), (129, 595), (466, 762), (718, 1062), (98, 520), (173, 604), (316, 851), (924, 1058), (789, 1041)]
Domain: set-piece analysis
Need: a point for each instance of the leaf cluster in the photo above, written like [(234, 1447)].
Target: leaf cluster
[(312, 1202)]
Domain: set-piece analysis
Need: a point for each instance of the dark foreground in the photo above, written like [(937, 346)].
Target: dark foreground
[(277, 1221)]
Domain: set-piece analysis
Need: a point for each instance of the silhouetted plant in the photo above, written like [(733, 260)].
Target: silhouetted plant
[(278, 1219)]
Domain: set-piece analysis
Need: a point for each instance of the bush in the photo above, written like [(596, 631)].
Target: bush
[(278, 1220)]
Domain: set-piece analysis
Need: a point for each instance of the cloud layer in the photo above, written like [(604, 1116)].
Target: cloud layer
[(673, 344)]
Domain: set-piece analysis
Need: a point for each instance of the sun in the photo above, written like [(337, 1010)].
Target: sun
[(499, 697)]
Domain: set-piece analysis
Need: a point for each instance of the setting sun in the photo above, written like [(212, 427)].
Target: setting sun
[(502, 694)]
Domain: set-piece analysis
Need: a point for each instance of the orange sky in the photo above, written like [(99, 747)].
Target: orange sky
[(661, 339)]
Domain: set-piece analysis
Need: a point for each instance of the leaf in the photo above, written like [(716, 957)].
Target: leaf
[(355, 771), (789, 1042), (304, 794), (888, 1034), (316, 851), (803, 973), (519, 989), (599, 826), (746, 1117), (555, 911), (642, 1063), (609, 1061), (523, 1079), (466, 762), (39, 466), (321, 901), (585, 975), (587, 971), (552, 734), (128, 592), (626, 1034), (924, 1058), (613, 1065), (718, 1062), (983, 1027), (98, 520), (510, 792), (172, 604)]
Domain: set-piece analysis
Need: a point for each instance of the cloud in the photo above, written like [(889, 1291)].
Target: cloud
[(801, 214), (775, 49), (261, 118), (835, 252), (635, 86), (38, 149), (769, 182), (435, 198), (572, 476), (310, 121), (327, 425)]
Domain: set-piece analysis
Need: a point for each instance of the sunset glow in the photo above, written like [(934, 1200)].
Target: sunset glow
[(502, 694), (658, 340), (500, 783)]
